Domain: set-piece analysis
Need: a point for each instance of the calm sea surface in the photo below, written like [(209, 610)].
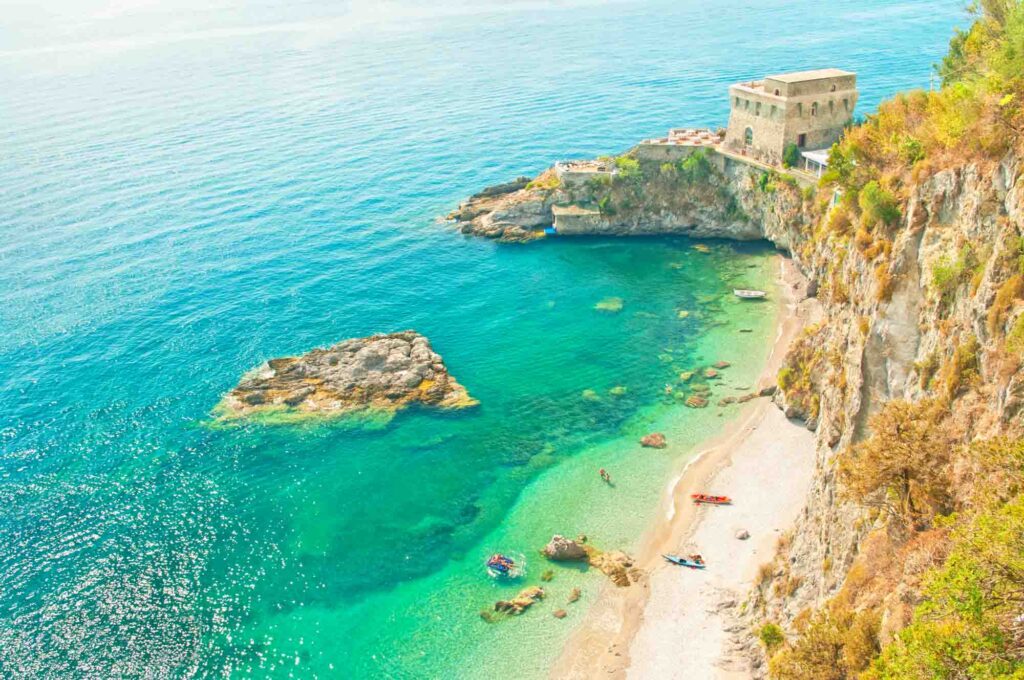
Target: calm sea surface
[(189, 190)]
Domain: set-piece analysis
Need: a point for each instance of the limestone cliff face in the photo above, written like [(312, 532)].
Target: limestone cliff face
[(894, 329)]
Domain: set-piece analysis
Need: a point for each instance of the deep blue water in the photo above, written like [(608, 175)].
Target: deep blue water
[(189, 189)]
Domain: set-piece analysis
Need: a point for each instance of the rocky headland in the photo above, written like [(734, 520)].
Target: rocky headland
[(703, 195), (380, 373)]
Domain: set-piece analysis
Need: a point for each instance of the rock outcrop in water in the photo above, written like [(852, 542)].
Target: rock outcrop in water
[(521, 602), (378, 373), (615, 564), (562, 549)]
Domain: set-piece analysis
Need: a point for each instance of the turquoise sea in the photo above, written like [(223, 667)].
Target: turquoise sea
[(188, 189)]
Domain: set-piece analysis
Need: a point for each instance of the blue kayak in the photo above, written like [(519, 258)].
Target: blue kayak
[(684, 561)]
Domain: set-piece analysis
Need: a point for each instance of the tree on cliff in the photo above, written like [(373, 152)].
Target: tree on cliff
[(902, 467)]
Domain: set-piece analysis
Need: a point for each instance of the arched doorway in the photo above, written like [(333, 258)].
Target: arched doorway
[(748, 136)]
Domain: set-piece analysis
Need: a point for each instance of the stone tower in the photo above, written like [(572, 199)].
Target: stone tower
[(808, 108)]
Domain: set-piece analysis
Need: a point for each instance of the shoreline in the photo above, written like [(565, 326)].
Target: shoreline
[(627, 631)]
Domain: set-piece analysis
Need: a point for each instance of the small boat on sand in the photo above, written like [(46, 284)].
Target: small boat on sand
[(749, 294), (503, 566), (699, 498), (693, 561)]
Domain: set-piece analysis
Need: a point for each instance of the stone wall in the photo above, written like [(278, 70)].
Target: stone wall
[(664, 153), (573, 220)]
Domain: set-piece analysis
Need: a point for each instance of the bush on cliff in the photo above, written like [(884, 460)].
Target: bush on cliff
[(878, 205), (791, 156), (629, 168), (835, 643), (969, 623), (902, 467)]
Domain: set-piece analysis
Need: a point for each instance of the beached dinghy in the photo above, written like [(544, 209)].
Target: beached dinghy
[(693, 561), (699, 498), (749, 294)]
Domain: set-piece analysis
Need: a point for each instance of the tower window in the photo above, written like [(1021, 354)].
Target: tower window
[(833, 88), (757, 109), (846, 104), (814, 109), (748, 136), (799, 110), (776, 92)]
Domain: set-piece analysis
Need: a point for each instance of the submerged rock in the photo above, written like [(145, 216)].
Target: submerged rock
[(377, 373), (610, 304), (562, 549), (655, 440), (722, 364), (574, 595), (696, 401), (521, 602), (559, 613)]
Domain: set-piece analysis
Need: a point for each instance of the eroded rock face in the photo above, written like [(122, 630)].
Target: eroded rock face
[(562, 549), (376, 373)]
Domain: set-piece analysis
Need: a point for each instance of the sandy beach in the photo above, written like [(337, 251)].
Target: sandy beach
[(683, 623)]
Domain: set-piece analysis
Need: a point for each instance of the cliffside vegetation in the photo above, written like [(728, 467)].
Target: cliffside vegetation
[(934, 587), (641, 188)]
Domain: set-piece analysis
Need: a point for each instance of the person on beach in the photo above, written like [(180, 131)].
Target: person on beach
[(605, 476)]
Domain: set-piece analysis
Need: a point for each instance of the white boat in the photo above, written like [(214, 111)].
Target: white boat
[(749, 294)]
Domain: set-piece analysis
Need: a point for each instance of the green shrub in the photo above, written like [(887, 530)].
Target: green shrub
[(696, 167), (771, 636), (766, 182), (1015, 336), (948, 273), (878, 205), (629, 168), (605, 207), (791, 156)]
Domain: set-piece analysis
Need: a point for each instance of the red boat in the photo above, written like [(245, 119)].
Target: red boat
[(712, 500)]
